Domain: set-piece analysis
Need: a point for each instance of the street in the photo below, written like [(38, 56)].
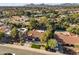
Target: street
[(4, 49)]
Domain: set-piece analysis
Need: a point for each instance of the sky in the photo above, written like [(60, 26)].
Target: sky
[(23, 2), (12, 4)]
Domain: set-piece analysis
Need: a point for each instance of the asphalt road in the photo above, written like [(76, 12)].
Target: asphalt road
[(4, 49)]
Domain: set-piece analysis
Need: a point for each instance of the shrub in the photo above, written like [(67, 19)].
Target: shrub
[(46, 47), (22, 42), (35, 46), (76, 46)]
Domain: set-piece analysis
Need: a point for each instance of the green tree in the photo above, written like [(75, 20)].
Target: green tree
[(43, 38), (71, 30), (47, 35), (77, 30), (65, 25), (14, 33), (1, 35), (43, 20), (50, 30), (52, 43), (22, 41), (33, 24), (28, 14)]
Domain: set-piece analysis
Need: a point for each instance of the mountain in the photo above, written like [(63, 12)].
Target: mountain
[(68, 4), (37, 5), (52, 5)]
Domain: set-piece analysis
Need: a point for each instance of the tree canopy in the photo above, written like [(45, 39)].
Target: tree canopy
[(14, 32), (52, 43), (1, 34)]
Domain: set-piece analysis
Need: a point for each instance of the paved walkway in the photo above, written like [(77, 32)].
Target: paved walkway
[(31, 49)]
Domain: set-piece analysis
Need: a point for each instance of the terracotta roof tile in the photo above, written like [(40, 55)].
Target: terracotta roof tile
[(35, 33), (67, 38)]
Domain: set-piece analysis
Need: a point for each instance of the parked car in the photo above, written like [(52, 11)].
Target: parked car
[(9, 54), (68, 51)]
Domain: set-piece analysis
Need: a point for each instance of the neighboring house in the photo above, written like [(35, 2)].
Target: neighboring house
[(1, 24), (19, 18), (6, 30), (22, 33), (61, 16), (22, 30), (68, 40), (6, 38)]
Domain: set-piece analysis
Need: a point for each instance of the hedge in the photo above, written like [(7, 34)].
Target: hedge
[(35, 46)]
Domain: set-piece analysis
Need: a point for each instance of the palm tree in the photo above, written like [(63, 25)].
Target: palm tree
[(52, 43)]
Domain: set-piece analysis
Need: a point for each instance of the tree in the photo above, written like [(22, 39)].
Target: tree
[(74, 30), (47, 35), (77, 30), (71, 30), (33, 24), (43, 38), (14, 33), (22, 41), (50, 30), (43, 20), (66, 25), (52, 43), (62, 24), (1, 35), (28, 14)]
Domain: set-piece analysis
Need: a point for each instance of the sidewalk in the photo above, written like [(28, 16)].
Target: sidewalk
[(31, 49)]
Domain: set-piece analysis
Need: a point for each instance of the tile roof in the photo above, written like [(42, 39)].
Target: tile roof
[(16, 17), (68, 39), (35, 33)]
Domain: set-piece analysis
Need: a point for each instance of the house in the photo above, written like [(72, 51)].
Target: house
[(1, 24), (68, 40), (35, 34)]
